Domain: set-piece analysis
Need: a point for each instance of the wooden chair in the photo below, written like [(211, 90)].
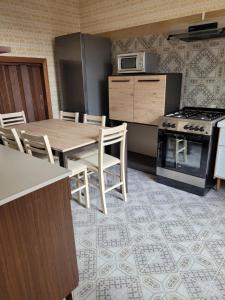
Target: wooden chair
[(93, 149), (11, 119), (94, 120), (99, 162), (39, 146), (10, 138), (69, 116)]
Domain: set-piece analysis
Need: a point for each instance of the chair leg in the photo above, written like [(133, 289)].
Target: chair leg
[(86, 189), (102, 191), (79, 192), (123, 180)]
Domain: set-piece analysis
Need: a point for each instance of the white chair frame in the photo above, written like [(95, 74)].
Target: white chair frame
[(69, 116), (10, 138), (94, 120), (110, 136), (40, 145), (11, 119)]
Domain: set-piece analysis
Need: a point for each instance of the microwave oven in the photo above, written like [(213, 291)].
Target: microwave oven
[(140, 62)]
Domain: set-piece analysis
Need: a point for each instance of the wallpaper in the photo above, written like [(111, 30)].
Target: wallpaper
[(29, 27), (106, 15), (201, 63)]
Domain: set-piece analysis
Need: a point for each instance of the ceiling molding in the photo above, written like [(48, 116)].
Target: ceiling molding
[(165, 26)]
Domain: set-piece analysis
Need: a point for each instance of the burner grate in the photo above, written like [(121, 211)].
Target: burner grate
[(197, 115)]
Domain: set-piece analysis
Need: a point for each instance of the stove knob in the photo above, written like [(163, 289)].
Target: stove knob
[(196, 128), (186, 127), (168, 125), (202, 129), (164, 124), (191, 128), (173, 125)]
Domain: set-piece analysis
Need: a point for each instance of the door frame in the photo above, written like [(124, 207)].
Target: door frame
[(34, 60)]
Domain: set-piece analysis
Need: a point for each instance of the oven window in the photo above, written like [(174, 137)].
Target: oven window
[(182, 153), (128, 63)]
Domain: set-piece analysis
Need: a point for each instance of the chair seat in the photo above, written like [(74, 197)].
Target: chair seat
[(45, 157), (86, 152), (76, 166), (108, 161)]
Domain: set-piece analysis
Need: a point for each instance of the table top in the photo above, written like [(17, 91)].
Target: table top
[(63, 135), (21, 174)]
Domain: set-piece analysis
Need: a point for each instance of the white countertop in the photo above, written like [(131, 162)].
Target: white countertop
[(221, 124), (21, 174)]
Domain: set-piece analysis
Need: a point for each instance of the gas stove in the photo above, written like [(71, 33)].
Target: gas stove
[(192, 120)]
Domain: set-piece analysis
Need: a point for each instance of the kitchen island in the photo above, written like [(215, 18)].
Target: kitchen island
[(37, 248)]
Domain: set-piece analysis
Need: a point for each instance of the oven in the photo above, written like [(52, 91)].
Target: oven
[(183, 156)]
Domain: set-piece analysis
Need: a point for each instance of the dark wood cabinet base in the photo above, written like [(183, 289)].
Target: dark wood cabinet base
[(37, 248), (69, 297)]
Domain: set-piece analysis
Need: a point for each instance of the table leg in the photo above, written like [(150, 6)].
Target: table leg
[(69, 297), (218, 184), (63, 159)]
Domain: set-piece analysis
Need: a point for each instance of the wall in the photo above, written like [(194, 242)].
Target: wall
[(29, 27), (202, 65), (106, 15)]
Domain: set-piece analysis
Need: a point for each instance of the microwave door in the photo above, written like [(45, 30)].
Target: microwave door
[(128, 63)]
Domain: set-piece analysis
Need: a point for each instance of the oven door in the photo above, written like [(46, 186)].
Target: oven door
[(183, 152)]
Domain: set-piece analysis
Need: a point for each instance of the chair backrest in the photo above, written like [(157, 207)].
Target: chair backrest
[(94, 120), (10, 138), (38, 146), (11, 119), (69, 116), (110, 136)]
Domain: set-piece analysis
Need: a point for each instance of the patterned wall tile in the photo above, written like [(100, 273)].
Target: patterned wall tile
[(201, 63)]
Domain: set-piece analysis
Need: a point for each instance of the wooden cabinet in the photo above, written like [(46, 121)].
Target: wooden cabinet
[(143, 99), (121, 95), (149, 98)]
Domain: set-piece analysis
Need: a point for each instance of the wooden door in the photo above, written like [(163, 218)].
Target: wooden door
[(121, 98), (149, 98), (23, 87)]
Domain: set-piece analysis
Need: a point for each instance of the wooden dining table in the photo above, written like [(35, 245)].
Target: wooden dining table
[(66, 138)]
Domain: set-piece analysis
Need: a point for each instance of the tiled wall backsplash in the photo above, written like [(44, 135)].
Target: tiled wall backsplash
[(202, 64)]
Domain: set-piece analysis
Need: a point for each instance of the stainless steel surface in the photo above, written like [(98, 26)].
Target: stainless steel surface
[(144, 62), (186, 125), (190, 124), (181, 177), (140, 62)]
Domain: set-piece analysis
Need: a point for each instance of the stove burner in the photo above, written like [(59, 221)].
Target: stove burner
[(197, 114)]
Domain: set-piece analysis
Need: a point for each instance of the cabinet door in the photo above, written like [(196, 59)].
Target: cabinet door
[(121, 98), (149, 98)]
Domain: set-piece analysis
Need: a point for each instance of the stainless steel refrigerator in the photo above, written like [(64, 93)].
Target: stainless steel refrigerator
[(83, 64)]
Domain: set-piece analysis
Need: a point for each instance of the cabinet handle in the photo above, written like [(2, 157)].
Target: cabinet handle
[(122, 80), (148, 80)]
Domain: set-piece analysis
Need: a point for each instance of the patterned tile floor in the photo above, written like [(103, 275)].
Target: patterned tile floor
[(163, 244)]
